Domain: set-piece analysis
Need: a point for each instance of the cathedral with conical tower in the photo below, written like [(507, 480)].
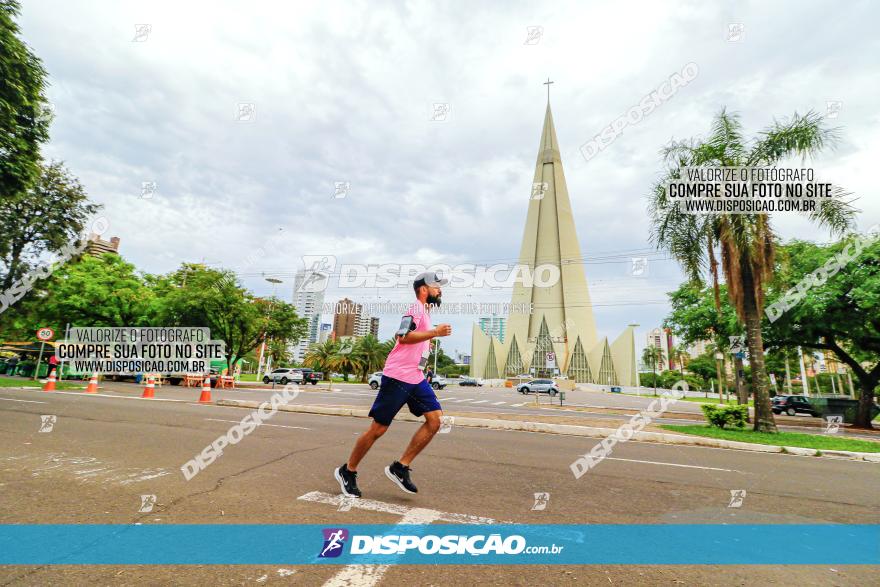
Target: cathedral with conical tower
[(559, 336)]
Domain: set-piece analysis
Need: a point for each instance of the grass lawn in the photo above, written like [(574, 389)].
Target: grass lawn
[(17, 382), (817, 441)]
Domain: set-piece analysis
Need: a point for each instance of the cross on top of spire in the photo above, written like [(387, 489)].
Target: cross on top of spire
[(547, 83)]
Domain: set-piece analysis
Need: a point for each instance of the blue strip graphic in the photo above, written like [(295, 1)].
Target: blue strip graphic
[(783, 544)]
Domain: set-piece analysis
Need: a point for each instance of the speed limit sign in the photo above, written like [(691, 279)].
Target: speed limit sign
[(45, 334)]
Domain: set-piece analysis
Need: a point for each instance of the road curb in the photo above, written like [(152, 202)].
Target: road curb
[(574, 430)]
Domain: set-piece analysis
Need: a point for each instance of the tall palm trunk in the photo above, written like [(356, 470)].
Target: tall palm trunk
[(713, 266), (764, 421)]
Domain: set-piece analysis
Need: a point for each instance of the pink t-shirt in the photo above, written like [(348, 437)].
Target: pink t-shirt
[(403, 362)]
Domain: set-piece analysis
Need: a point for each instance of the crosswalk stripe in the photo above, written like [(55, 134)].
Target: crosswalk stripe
[(498, 403), (482, 401)]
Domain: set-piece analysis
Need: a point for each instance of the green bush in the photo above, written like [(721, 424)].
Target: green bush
[(727, 415)]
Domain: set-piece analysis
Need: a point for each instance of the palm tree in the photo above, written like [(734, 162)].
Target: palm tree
[(387, 346), (653, 356), (370, 353), (320, 357), (345, 360), (681, 357), (746, 241)]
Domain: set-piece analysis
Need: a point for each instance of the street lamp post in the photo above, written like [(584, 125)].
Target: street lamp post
[(274, 281)]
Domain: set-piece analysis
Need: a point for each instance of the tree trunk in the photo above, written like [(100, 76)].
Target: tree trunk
[(764, 421), (718, 376), (866, 401), (742, 396)]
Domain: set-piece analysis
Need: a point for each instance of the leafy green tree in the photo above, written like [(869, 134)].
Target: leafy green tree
[(24, 124), (279, 351), (838, 313), (200, 297), (87, 292), (703, 366), (746, 241), (48, 216)]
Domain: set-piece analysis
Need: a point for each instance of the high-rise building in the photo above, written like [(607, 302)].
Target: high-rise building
[(374, 326), (345, 320), (95, 246), (363, 323), (701, 347), (324, 332), (308, 302), (493, 326), (662, 339), (559, 335)]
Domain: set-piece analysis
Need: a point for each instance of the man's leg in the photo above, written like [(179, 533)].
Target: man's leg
[(422, 437), (364, 443)]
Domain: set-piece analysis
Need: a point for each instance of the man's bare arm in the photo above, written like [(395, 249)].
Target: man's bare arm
[(417, 336)]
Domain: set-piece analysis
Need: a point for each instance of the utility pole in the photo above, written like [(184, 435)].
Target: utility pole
[(787, 375), (803, 373)]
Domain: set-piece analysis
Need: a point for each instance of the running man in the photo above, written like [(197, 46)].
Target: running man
[(403, 383)]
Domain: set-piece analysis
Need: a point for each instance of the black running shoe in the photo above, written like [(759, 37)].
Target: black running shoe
[(347, 481), (400, 475)]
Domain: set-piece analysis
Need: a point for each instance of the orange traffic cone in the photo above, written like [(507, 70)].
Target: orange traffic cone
[(205, 398), (93, 384), (148, 390), (50, 385)]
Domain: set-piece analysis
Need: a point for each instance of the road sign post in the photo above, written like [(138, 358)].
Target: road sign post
[(43, 334)]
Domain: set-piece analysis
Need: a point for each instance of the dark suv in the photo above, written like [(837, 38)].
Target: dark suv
[(310, 376), (793, 405)]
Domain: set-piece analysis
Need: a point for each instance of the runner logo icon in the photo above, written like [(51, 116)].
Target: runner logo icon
[(334, 541)]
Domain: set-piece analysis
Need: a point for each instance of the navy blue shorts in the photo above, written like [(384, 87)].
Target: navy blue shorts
[(393, 394)]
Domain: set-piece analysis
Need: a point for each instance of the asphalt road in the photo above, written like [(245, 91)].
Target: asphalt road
[(592, 405), (103, 453)]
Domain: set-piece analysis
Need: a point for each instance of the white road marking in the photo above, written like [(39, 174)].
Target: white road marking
[(369, 575), (672, 465), (482, 401), (498, 403), (146, 477), (275, 425), (155, 399), (26, 401), (519, 405), (391, 508)]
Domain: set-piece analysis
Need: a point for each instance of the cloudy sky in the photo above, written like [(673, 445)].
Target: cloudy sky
[(344, 92)]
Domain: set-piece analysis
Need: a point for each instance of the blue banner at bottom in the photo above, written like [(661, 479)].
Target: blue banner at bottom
[(515, 544)]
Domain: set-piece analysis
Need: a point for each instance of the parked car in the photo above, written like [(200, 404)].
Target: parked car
[(539, 386), (375, 380), (310, 376), (284, 376), (793, 405), (469, 382)]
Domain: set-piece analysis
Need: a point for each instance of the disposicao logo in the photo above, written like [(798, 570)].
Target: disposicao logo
[(334, 541)]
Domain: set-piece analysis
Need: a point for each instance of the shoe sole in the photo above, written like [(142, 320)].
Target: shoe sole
[(394, 478), (342, 484)]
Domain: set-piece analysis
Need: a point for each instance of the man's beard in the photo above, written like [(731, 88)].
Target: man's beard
[(433, 300)]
